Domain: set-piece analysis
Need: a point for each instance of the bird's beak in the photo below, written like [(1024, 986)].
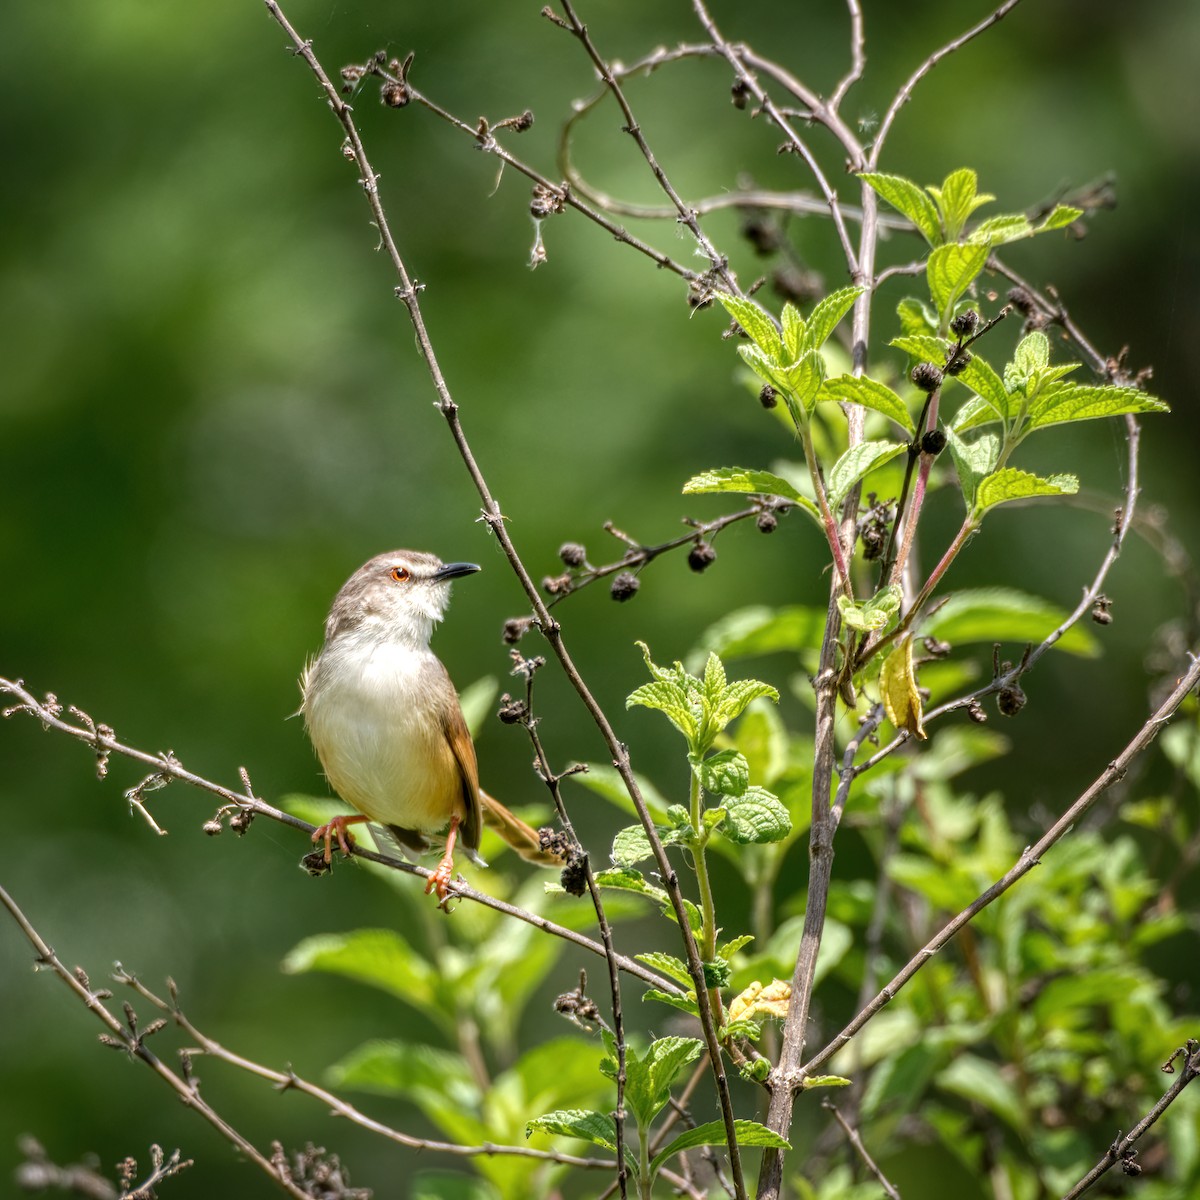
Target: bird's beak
[(454, 570)]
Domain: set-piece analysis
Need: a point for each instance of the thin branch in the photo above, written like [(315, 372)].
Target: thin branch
[(493, 516), (285, 1081), (1029, 858), (48, 712), (687, 216), (858, 55), (856, 1141), (125, 1035), (1122, 1151), (904, 95)]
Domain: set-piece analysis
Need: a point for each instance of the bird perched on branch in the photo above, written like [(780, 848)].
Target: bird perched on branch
[(386, 723)]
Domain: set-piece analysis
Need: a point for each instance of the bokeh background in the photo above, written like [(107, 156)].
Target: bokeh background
[(212, 411)]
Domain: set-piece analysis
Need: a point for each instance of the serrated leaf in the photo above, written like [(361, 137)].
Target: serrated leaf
[(923, 348), (737, 696), (712, 1133), (756, 816), (1031, 356), (714, 679), (771, 1000), (856, 464), (380, 957), (628, 880), (973, 461), (957, 199), (630, 847), (802, 382), (748, 482), (757, 323), (588, 1126), (952, 269), (669, 965), (873, 614), (649, 1078), (1004, 615), (870, 393), (669, 699), (730, 948), (1009, 484), (1059, 217), (826, 315), (910, 199), (1080, 402), (916, 317), (724, 774), (769, 370), (898, 689), (794, 329), (997, 231), (986, 384), (685, 1004)]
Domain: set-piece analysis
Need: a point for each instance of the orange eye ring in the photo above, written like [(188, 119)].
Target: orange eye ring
[(399, 574)]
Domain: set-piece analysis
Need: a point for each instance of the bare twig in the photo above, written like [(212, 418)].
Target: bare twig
[(493, 516), (1029, 858), (48, 713), (856, 1141)]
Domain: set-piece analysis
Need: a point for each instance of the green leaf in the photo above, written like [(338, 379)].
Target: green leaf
[(669, 965), (605, 780), (794, 329), (669, 699), (979, 1081), (628, 880), (821, 1081), (923, 348), (1032, 355), (730, 948), (737, 696), (630, 847), (648, 1079), (1079, 402), (1060, 217), (987, 385), (1010, 484), (757, 323), (870, 393), (685, 1004), (875, 613), (802, 381), (824, 318), (767, 369), (379, 957), (952, 269), (756, 816), (588, 1126), (744, 481), (905, 196), (916, 317), (476, 702), (973, 461), (1004, 615), (398, 1068), (762, 630), (997, 231), (712, 1133), (957, 199), (724, 774), (856, 464)]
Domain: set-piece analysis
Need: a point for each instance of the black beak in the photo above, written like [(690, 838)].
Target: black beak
[(454, 570)]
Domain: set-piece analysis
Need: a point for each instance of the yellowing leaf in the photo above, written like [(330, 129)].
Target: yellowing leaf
[(770, 1001), (898, 687)]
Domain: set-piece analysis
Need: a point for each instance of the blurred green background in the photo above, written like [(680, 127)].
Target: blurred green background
[(212, 412)]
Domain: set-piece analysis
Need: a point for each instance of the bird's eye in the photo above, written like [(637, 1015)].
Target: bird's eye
[(399, 574)]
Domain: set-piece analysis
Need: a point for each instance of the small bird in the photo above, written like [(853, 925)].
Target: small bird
[(386, 723)]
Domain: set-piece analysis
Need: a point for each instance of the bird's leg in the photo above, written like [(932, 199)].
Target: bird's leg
[(337, 828), (439, 881)]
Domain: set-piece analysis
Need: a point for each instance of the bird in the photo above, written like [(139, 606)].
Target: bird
[(385, 720)]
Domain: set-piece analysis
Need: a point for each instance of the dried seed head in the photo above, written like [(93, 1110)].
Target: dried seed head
[(959, 362), (768, 397), (701, 556), (965, 323), (766, 521), (515, 628), (574, 875), (933, 442), (927, 376), (212, 827), (1010, 700), (976, 713), (624, 586), (512, 712), (1101, 611), (394, 95), (572, 554), (556, 585)]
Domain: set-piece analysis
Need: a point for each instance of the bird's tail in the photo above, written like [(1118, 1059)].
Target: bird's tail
[(522, 838)]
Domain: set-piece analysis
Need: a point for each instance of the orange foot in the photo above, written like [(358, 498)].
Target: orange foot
[(439, 881), (337, 828)]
